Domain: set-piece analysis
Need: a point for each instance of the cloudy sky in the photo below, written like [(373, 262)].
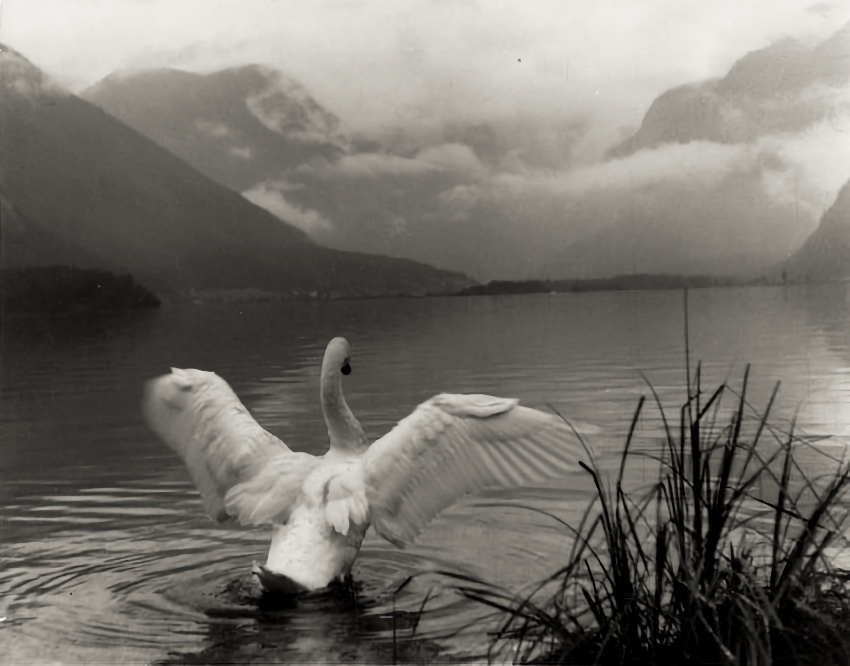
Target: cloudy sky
[(559, 82), (390, 61)]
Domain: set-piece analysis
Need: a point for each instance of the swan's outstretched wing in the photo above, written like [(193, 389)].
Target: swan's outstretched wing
[(268, 496), (456, 444), (241, 470)]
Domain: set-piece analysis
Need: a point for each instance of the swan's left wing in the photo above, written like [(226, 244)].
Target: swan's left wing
[(241, 470), (457, 444)]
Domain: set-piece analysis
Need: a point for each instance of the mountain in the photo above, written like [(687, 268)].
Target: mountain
[(725, 176), (238, 126), (728, 228), (722, 177), (260, 133), (826, 253), (761, 94), (24, 244), (79, 184)]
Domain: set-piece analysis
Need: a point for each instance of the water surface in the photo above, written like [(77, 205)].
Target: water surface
[(106, 556)]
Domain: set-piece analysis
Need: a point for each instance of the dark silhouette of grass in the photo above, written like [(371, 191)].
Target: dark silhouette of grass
[(676, 573), (665, 576)]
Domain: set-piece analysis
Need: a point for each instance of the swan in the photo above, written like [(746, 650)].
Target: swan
[(320, 507)]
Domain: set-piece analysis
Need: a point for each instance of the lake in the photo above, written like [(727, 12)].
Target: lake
[(107, 557)]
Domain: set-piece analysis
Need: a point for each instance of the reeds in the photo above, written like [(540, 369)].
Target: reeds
[(676, 573)]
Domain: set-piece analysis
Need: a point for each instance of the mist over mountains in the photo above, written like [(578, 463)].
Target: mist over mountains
[(738, 170), (80, 187), (725, 176), (237, 126)]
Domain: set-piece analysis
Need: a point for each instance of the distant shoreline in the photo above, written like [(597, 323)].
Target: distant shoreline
[(647, 282), (639, 282), (63, 290)]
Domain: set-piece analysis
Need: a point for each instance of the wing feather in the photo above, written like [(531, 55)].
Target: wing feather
[(345, 499), (240, 470), (268, 496), (457, 444)]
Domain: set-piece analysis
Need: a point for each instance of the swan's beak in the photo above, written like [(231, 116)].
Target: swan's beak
[(346, 369)]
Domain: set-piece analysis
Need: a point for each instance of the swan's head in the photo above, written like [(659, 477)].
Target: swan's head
[(337, 358)]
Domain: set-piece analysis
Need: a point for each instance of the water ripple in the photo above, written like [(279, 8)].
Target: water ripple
[(105, 555)]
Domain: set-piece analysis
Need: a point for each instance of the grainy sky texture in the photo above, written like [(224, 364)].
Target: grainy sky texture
[(389, 61)]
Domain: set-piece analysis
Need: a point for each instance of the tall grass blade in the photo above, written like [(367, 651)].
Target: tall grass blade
[(654, 575)]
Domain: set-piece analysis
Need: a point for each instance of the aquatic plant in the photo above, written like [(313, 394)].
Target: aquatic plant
[(678, 574), (726, 558)]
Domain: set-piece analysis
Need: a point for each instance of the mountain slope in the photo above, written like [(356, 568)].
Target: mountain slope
[(725, 176), (826, 253), (761, 94), (25, 244), (90, 182), (238, 126), (404, 196)]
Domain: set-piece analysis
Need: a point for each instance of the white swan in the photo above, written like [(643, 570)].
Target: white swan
[(321, 507)]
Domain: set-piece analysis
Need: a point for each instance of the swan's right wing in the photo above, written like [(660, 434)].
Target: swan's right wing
[(457, 444), (241, 470)]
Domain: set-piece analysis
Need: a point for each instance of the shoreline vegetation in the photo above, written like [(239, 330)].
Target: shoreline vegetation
[(637, 282), (61, 290), (71, 290), (732, 556), (634, 282)]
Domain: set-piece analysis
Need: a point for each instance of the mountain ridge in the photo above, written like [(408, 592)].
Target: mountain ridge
[(742, 104), (73, 172), (737, 218), (825, 256), (250, 112), (702, 186)]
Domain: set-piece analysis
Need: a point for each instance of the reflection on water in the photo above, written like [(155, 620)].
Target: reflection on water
[(105, 555)]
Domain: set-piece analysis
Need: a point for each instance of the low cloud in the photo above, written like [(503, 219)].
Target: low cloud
[(370, 166), (270, 197), (697, 162), (216, 129), (458, 202), (454, 159), (808, 169), (242, 152), (222, 132), (286, 107), (18, 75)]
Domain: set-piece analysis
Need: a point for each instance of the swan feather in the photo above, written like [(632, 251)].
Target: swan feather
[(452, 445), (240, 470), (345, 500), (267, 498)]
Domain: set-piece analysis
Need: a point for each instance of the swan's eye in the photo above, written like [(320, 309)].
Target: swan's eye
[(346, 369)]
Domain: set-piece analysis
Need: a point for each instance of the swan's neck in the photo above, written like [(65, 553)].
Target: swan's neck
[(344, 429)]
